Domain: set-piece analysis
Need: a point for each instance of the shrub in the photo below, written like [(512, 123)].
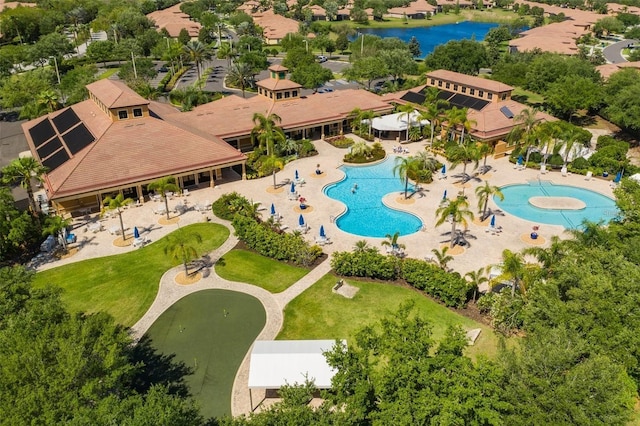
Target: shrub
[(276, 245), (340, 141), (306, 148), (580, 163), (368, 263), (450, 288), (555, 160), (228, 205), (605, 140), (374, 153)]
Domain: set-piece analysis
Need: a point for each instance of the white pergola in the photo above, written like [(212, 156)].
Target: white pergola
[(397, 122), (275, 363)]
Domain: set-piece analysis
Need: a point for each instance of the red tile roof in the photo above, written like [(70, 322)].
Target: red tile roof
[(115, 94), (471, 81), (277, 84), (173, 20)]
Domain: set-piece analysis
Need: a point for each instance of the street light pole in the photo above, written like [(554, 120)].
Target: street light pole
[(55, 61), (306, 43), (361, 44)]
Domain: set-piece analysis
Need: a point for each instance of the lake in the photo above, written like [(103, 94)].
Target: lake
[(430, 37)]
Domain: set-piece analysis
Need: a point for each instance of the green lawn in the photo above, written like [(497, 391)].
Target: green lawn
[(123, 285), (320, 314), (527, 97), (211, 332), (108, 73), (249, 267), (494, 15)]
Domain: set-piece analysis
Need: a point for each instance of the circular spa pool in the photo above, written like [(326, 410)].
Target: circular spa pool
[(544, 202), (365, 213)]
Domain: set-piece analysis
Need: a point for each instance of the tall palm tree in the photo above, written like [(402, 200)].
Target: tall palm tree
[(406, 167), (484, 149), (464, 153), (164, 185), (549, 257), (240, 75), (476, 279), (55, 225), (225, 51), (433, 108), (356, 119), (569, 138), (21, 171), (179, 247), (524, 132), (465, 122), (407, 109), (456, 210), (428, 161), (513, 266), (269, 134), (454, 119), (197, 52), (484, 193), (116, 204), (48, 101), (441, 258), (368, 116)]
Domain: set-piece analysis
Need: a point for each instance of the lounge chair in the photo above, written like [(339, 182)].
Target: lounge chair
[(588, 176), (303, 228), (543, 169), (139, 242), (293, 196)]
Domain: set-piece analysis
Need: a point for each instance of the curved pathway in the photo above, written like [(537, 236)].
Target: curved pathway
[(613, 52), (169, 292)]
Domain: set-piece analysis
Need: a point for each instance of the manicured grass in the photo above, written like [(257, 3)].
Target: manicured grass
[(210, 331), (318, 313), (124, 285), (249, 267), (108, 73), (527, 97)]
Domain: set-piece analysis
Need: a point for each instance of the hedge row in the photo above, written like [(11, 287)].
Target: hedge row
[(450, 288), (271, 243)]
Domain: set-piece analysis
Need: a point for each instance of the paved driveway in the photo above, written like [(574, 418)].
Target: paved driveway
[(613, 52)]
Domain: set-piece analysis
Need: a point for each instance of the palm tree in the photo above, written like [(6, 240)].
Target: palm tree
[(484, 193), (392, 241), (466, 122), (548, 257), (179, 247), (164, 185), (21, 171), (55, 225), (116, 204), (524, 132), (407, 109), (225, 51), (360, 148), (476, 279), (360, 246), (484, 149), (513, 265), (569, 138), (464, 153), (275, 164), (368, 116), (267, 132), (454, 119), (433, 108), (356, 119), (48, 101), (240, 75), (406, 167), (456, 210), (441, 259), (197, 52), (429, 162)]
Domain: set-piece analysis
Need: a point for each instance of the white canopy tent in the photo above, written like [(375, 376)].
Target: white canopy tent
[(275, 363), (397, 122)]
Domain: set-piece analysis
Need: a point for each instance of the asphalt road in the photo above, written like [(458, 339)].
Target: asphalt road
[(613, 52)]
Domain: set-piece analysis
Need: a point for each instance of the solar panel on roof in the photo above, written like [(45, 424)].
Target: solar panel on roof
[(468, 102), (506, 111), (49, 148), (65, 120), (42, 132), (78, 138), (56, 160), (413, 97)]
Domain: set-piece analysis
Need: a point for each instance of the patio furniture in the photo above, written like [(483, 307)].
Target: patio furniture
[(588, 176), (185, 192), (113, 230), (139, 242), (94, 227), (160, 210)]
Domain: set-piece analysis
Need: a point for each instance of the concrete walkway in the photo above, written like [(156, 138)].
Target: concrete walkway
[(170, 292)]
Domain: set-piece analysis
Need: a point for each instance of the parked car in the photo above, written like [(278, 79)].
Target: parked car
[(163, 69), (322, 58)]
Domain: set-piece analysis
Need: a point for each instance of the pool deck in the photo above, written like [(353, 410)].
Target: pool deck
[(486, 247)]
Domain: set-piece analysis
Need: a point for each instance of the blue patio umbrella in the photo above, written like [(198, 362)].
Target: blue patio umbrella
[(444, 196), (296, 175), (322, 234), (520, 160), (493, 221), (136, 233), (301, 220), (293, 187), (444, 169), (273, 210), (618, 177)]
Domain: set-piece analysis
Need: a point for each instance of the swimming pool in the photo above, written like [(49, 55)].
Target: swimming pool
[(366, 215), (588, 204)]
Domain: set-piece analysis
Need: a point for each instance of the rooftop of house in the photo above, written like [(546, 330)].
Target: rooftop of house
[(174, 20), (275, 26), (607, 70), (471, 81), (418, 6), (115, 94)]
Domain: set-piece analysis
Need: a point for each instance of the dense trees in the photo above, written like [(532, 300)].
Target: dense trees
[(60, 367), (465, 56)]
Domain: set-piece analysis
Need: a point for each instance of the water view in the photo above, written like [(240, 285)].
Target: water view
[(430, 37)]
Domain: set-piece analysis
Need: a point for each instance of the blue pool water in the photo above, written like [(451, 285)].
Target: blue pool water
[(366, 215), (430, 37), (516, 202)]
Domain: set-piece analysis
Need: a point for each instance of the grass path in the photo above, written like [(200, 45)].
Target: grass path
[(126, 284)]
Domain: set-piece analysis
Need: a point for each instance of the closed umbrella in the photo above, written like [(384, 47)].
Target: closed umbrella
[(444, 196), (296, 175), (618, 177), (301, 220), (273, 210), (293, 188), (322, 234), (493, 221), (520, 160), (136, 233), (444, 169)]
